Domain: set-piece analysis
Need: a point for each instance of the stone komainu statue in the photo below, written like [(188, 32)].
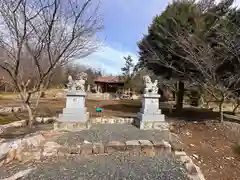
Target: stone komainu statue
[(149, 86), (71, 83), (78, 84), (80, 81)]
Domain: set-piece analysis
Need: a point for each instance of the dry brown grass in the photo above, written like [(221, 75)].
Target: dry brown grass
[(6, 95), (52, 107)]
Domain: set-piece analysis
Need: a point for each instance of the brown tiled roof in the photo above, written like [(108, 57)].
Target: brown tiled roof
[(108, 79)]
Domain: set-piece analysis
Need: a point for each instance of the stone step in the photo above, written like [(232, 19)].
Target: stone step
[(68, 117), (132, 147), (71, 125)]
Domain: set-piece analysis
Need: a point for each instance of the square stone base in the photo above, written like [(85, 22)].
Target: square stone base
[(156, 116), (74, 117), (71, 126), (151, 124)]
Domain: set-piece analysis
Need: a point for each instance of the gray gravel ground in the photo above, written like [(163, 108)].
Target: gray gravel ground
[(112, 132), (103, 167), (110, 167)]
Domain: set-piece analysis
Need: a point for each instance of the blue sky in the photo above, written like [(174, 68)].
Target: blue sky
[(125, 22)]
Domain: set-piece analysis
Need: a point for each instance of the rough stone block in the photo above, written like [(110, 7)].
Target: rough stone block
[(131, 120), (146, 125), (177, 146), (161, 147), (39, 119), (70, 126), (47, 120), (32, 155), (115, 146), (191, 168), (18, 155), (121, 120), (10, 156), (64, 150), (180, 153), (51, 149), (86, 148), (75, 149), (111, 121), (98, 148), (162, 126), (145, 143), (185, 159), (133, 147), (146, 148), (1, 163)]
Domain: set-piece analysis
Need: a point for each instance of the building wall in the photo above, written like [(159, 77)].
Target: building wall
[(109, 87)]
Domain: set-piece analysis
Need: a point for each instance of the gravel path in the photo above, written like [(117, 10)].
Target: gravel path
[(112, 132), (116, 166)]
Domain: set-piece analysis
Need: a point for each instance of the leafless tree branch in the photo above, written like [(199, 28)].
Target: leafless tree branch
[(39, 35)]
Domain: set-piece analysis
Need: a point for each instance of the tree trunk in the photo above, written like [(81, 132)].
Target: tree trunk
[(180, 95), (26, 103), (236, 107), (221, 111), (30, 115), (174, 95)]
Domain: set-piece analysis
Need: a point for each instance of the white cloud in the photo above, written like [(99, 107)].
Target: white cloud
[(108, 59)]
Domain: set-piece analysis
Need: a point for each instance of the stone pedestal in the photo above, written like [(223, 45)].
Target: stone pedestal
[(75, 115), (150, 116)]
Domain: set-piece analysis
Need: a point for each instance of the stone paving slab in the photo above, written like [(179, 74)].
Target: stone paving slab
[(115, 166), (113, 132)]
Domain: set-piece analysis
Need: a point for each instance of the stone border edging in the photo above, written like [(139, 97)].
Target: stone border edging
[(22, 123), (11, 109), (16, 150), (45, 120), (112, 120), (194, 172), (12, 150), (136, 147)]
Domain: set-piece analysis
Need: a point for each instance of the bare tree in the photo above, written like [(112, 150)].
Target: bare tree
[(39, 35), (206, 64)]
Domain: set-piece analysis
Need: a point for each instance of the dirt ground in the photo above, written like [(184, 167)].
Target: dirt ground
[(212, 148), (211, 144), (52, 107)]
